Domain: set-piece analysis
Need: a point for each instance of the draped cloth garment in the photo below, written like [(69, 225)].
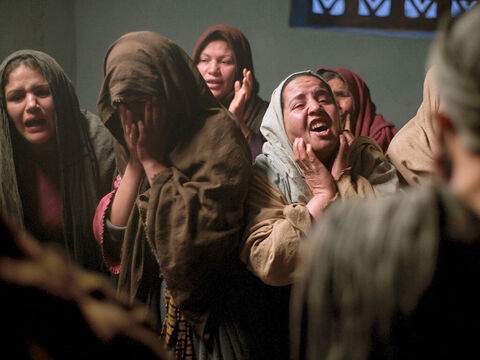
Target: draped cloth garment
[(412, 148), (278, 164), (85, 161), (277, 215), (184, 229), (455, 55), (255, 106), (378, 277), (366, 121)]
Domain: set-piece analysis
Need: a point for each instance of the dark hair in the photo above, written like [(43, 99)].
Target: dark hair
[(328, 75), (26, 60)]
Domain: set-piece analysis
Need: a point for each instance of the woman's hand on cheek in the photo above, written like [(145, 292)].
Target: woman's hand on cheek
[(152, 138), (130, 133), (317, 176)]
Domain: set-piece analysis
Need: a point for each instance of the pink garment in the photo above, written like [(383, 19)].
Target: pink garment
[(38, 182), (111, 260), (366, 121)]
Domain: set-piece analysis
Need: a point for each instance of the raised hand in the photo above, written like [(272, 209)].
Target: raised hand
[(347, 125), (130, 133), (152, 138), (152, 133), (341, 161), (318, 178), (243, 92)]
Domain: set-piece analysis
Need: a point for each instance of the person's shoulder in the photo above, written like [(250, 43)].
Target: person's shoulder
[(95, 125), (365, 143), (100, 138), (404, 208)]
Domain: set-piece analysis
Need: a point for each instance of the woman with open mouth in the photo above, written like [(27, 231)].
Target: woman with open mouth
[(223, 57), (307, 163), (56, 160)]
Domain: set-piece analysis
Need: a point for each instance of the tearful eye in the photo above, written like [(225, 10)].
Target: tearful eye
[(15, 98), (43, 93)]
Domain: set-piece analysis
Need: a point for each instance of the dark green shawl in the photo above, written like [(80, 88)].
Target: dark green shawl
[(85, 157)]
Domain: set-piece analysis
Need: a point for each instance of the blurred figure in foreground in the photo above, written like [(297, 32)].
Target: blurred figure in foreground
[(395, 278), (54, 310)]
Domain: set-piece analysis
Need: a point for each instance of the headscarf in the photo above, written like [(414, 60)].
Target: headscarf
[(277, 161), (456, 54), (412, 148), (366, 122), (255, 107), (85, 161), (129, 72), (185, 227)]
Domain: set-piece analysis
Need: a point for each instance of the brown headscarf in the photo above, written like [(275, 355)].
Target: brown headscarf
[(366, 121), (412, 149), (255, 107), (185, 227)]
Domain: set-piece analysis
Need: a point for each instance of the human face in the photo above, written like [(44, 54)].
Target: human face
[(30, 105), (309, 112), (344, 100), (217, 66)]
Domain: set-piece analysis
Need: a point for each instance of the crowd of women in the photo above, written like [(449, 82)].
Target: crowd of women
[(189, 191)]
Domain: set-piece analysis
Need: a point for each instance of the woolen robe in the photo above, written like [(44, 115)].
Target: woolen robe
[(183, 234)]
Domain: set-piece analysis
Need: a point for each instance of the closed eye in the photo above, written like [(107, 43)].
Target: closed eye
[(298, 106)]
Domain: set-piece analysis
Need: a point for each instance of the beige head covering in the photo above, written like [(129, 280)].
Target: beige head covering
[(456, 54), (412, 148)]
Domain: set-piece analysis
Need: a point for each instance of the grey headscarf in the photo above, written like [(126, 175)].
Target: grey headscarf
[(277, 161), (456, 54)]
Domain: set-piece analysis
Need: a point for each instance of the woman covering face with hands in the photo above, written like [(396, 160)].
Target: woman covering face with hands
[(310, 162), (171, 229)]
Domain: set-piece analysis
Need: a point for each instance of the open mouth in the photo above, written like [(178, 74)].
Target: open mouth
[(214, 83), (318, 127), (35, 123)]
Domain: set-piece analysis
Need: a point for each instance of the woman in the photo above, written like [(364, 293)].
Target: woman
[(55, 160), (308, 162), (174, 237), (356, 107), (413, 148), (223, 57)]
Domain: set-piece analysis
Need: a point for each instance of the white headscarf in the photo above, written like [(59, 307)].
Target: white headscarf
[(277, 161), (456, 54)]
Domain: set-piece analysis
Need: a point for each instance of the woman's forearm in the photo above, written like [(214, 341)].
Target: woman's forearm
[(126, 194)]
